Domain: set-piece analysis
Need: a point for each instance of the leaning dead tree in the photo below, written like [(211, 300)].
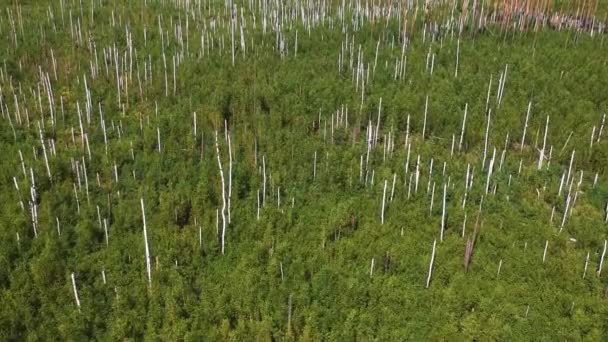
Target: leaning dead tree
[(75, 290), (148, 267), (430, 272), (599, 269)]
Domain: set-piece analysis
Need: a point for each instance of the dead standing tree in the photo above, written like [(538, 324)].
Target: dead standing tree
[(148, 266), (219, 163), (470, 246)]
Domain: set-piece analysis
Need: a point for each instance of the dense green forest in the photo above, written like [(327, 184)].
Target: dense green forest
[(303, 170)]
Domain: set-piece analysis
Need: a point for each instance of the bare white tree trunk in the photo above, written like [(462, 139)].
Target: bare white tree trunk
[(430, 272), (490, 170), (407, 139), (200, 236), (570, 167), (432, 199), (457, 58), (232, 30), (487, 137), (378, 122), (258, 211), (148, 267), (488, 96), (601, 131), (568, 199), (586, 265), (443, 213), (376, 58), (158, 138), (428, 185), (541, 156), (314, 166), (426, 107), (264, 181), (523, 138), (502, 85), (229, 178), (105, 229), (599, 269), (219, 163), (75, 292), (464, 224), (194, 125), (46, 159), (383, 202), (393, 187)]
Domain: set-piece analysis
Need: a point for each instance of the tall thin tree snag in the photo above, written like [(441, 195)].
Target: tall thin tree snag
[(194, 126), (383, 202), (46, 159), (148, 266), (586, 265), (430, 272), (464, 122), (426, 107), (599, 269), (489, 91), (158, 139), (75, 290), (457, 58), (219, 163), (523, 138), (371, 267), (264, 180), (432, 200), (105, 230), (502, 86), (376, 58), (541, 156), (568, 199), (229, 178), (232, 24), (499, 267), (490, 170), (486, 139), (443, 213), (570, 167), (393, 187), (314, 166), (428, 185), (378, 122), (468, 252), (258, 205)]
